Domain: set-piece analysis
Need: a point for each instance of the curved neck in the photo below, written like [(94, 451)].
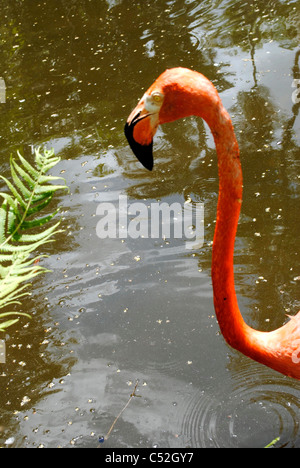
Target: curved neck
[(271, 348), (231, 323)]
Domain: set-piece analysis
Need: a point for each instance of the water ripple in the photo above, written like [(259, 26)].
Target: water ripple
[(258, 409)]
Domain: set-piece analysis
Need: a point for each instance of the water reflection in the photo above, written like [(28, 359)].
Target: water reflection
[(102, 319)]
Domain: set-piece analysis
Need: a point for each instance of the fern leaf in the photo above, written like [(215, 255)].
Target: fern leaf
[(9, 199), (37, 207), (7, 314), (26, 193), (30, 169), (31, 191), (39, 222), (8, 323), (14, 191), (30, 181), (41, 236), (9, 248), (3, 217), (47, 189)]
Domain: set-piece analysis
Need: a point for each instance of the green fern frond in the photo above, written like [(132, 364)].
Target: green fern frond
[(22, 228)]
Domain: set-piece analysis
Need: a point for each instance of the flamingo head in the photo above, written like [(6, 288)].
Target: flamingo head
[(177, 93), (142, 124)]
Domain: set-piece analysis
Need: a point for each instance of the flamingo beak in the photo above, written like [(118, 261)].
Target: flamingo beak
[(139, 130)]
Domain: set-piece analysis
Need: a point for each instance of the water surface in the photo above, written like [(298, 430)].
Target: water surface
[(119, 311)]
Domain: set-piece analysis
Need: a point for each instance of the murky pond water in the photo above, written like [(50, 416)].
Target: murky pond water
[(118, 311)]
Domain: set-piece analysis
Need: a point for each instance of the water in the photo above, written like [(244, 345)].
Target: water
[(116, 312)]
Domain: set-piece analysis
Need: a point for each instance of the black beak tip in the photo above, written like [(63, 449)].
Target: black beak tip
[(144, 153)]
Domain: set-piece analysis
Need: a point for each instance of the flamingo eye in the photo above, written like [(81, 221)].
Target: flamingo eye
[(153, 102), (157, 97)]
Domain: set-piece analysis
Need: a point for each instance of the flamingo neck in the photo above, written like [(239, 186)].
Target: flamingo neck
[(231, 323), (274, 349)]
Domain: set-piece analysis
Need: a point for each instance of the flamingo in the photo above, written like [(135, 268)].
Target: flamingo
[(181, 92)]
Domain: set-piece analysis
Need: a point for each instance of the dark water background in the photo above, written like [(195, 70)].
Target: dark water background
[(115, 312)]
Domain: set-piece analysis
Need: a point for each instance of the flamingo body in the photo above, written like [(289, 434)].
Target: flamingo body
[(178, 93)]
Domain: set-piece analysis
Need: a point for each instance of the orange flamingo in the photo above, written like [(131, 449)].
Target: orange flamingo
[(177, 93)]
